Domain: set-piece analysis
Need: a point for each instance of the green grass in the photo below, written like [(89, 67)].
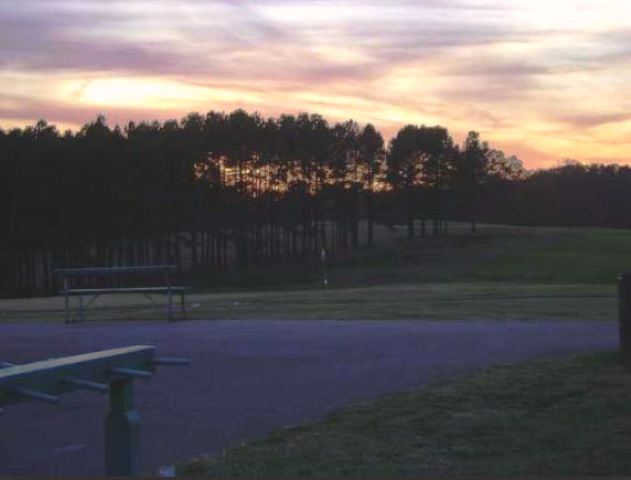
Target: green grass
[(426, 301), (500, 272), (555, 417), (395, 302), (496, 253)]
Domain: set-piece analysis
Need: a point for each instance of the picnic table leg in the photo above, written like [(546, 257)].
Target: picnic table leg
[(67, 307), (170, 312), (81, 314), (122, 431)]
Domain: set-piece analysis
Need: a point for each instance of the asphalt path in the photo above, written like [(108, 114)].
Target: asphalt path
[(251, 377)]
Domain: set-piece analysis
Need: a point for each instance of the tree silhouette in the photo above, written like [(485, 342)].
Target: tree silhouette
[(371, 157), (232, 190)]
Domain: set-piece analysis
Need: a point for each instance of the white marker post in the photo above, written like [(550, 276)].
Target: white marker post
[(325, 277)]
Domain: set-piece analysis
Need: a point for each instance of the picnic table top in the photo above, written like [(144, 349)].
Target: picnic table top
[(46, 379), (104, 271), (128, 354), (89, 291)]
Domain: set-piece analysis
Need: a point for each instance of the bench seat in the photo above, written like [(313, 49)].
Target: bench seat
[(97, 291)]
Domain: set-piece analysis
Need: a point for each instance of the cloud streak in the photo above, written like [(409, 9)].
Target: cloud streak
[(518, 71)]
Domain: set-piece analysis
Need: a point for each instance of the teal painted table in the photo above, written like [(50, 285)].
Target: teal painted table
[(110, 371)]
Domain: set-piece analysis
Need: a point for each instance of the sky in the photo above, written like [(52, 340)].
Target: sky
[(545, 80)]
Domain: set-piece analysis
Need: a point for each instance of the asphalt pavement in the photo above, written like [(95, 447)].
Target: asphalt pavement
[(251, 377)]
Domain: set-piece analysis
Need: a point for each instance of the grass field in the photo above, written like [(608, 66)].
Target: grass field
[(428, 301), (496, 253), (500, 272), (554, 418)]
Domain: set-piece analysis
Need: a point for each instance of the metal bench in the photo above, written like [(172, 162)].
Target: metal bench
[(110, 371), (66, 275)]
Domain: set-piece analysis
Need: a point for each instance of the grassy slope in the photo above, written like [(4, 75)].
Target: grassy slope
[(565, 418), (496, 254), (501, 272), (493, 254)]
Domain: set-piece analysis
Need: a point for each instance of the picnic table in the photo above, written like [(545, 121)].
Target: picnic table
[(109, 371), (102, 282)]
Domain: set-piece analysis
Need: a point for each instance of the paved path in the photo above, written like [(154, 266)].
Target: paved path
[(249, 377)]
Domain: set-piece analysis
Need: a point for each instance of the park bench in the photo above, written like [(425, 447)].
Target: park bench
[(107, 281)]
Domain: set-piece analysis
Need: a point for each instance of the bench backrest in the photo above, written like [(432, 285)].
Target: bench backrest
[(98, 275)]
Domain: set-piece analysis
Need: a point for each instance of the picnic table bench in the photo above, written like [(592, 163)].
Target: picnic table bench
[(70, 279)]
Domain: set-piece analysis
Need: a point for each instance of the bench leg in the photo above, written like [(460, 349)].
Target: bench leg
[(170, 307), (81, 309), (67, 308), (183, 304)]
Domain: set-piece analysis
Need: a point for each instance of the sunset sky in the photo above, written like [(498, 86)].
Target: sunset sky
[(543, 79)]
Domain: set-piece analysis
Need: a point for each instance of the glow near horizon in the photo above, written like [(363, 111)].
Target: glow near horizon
[(545, 80)]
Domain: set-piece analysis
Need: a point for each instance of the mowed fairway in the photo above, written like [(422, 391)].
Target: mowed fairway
[(498, 273)]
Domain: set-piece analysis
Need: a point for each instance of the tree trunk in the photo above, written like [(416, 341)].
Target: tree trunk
[(178, 252), (194, 259), (410, 226), (370, 219)]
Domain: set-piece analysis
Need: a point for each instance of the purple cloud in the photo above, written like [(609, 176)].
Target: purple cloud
[(463, 61)]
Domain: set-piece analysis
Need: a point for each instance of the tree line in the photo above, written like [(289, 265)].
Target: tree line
[(231, 190)]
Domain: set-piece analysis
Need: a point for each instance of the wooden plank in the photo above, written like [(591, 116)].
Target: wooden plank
[(88, 291), (49, 376), (94, 291), (109, 271)]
